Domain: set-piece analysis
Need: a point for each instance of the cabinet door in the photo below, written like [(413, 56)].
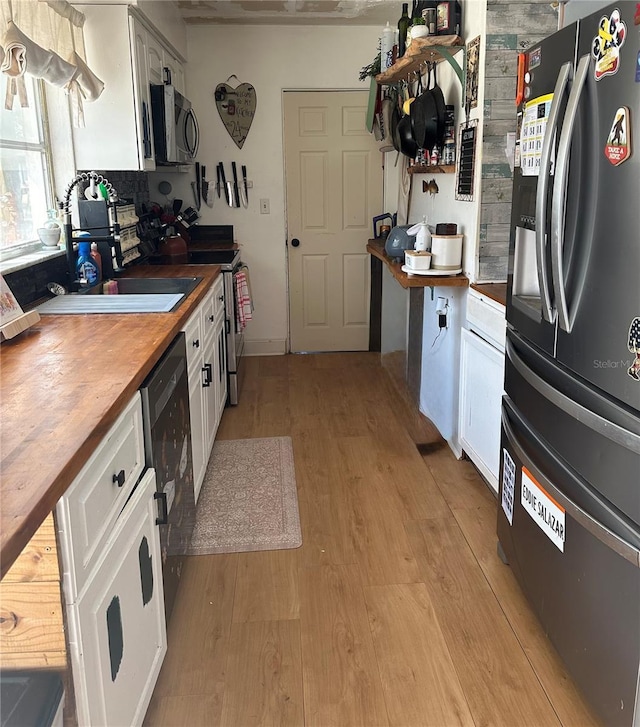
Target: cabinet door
[(481, 381), (154, 59), (140, 42), (211, 375), (117, 628)]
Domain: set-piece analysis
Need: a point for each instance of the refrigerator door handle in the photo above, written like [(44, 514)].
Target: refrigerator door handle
[(559, 198), (591, 419), (542, 191), (597, 529)]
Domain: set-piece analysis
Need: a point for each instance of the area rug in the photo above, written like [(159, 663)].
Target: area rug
[(248, 499)]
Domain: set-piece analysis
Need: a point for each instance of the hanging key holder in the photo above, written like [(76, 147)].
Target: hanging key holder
[(237, 107)]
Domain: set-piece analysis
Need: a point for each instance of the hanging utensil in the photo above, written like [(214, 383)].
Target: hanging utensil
[(226, 185), (198, 197), (218, 180), (204, 185), (236, 192), (245, 188)]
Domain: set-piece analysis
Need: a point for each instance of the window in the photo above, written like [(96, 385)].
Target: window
[(25, 171)]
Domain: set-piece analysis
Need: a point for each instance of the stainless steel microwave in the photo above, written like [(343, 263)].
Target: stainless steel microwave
[(175, 127)]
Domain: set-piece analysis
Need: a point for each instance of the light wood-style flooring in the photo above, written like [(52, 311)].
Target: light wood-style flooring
[(396, 610)]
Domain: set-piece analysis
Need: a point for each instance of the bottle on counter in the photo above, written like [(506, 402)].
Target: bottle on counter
[(86, 267), (403, 29), (97, 258)]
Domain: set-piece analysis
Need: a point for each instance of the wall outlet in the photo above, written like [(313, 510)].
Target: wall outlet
[(264, 207)]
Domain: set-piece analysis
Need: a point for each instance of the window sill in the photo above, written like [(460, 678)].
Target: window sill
[(28, 259)]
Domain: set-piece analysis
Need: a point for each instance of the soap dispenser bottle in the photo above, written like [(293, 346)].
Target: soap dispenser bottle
[(422, 235)]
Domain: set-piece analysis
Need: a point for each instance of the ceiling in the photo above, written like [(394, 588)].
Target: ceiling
[(289, 12)]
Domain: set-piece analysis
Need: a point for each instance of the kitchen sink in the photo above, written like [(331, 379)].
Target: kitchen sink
[(135, 295)]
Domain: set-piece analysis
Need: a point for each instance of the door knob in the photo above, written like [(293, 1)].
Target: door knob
[(295, 242)]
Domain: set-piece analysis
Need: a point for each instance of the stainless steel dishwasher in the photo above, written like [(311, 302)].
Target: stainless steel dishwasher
[(167, 439)]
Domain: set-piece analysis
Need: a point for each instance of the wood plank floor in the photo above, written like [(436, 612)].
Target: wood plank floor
[(394, 611)]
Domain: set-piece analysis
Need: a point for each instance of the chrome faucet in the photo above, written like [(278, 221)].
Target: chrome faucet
[(113, 239)]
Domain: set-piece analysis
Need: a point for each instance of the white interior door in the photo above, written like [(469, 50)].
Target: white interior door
[(334, 188)]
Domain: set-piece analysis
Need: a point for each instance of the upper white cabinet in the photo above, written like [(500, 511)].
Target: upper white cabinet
[(118, 132)]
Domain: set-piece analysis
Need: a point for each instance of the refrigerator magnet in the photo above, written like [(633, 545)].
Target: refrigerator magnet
[(606, 45), (638, 66), (618, 146), (634, 348)]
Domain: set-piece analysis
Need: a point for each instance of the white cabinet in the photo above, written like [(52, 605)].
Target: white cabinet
[(118, 132), (481, 384), (118, 638), (113, 136), (206, 365), (112, 577)]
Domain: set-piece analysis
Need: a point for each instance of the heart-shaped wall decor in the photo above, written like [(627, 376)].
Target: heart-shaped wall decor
[(236, 107)]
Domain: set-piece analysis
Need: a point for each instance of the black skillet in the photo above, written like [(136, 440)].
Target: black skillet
[(420, 112), (440, 109)]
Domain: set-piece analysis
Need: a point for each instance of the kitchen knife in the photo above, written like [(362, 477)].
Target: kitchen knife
[(198, 197), (205, 184), (218, 180), (227, 185), (245, 196), (236, 192)]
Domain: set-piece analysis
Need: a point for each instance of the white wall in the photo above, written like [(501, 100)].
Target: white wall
[(271, 58), (166, 19)]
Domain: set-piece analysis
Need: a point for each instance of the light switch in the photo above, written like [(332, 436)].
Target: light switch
[(264, 207)]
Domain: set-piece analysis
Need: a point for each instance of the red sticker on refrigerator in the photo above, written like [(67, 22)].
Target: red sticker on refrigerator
[(618, 146), (606, 45)]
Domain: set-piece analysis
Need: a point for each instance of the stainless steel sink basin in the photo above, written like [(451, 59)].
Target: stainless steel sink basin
[(135, 295)]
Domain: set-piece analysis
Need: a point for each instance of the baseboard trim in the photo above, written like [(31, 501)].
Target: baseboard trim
[(268, 347)]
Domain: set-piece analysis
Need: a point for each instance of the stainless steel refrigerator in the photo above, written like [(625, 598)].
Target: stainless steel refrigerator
[(569, 515)]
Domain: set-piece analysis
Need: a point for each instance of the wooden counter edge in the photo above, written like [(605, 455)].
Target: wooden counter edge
[(376, 248), (495, 291), (12, 544)]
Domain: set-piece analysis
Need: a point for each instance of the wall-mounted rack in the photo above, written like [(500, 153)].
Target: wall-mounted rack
[(430, 49)]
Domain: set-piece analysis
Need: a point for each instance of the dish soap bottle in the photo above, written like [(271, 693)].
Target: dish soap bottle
[(97, 258), (86, 267), (422, 234)]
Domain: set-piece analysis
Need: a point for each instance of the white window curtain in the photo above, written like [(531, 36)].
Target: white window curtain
[(43, 38)]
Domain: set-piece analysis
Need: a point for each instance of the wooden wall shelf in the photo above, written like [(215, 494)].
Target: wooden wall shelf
[(432, 169), (433, 48)]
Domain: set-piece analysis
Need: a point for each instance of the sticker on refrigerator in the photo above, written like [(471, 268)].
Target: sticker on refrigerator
[(534, 123), (638, 68), (606, 45), (543, 509), (618, 146), (535, 57), (634, 347), (508, 484)]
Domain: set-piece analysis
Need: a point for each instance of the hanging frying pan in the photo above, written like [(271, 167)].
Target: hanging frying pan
[(440, 108), (395, 120), (408, 144), (422, 110)]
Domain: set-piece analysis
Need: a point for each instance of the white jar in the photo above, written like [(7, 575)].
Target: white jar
[(419, 31), (446, 251)]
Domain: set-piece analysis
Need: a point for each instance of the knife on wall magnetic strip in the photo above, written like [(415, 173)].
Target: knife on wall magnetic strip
[(236, 192), (226, 186)]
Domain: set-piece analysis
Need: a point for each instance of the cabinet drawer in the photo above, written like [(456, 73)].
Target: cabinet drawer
[(209, 314), (218, 297), (89, 508), (117, 627), (194, 339), (487, 318)]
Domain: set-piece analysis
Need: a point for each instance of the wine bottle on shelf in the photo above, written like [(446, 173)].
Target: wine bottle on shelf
[(403, 28)]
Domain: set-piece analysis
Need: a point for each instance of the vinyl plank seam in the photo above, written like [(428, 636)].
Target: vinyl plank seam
[(506, 616)]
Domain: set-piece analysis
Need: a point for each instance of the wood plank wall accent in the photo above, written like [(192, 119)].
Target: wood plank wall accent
[(533, 20), (31, 631)]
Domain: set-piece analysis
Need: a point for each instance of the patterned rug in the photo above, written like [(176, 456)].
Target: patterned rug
[(248, 499)]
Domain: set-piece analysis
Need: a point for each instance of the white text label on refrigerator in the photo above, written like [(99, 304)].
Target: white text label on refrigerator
[(545, 512)]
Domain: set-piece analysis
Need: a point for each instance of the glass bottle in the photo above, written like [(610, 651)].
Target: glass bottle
[(403, 28)]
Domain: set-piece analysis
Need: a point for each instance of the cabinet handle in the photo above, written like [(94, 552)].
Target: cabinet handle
[(208, 371), (221, 298), (196, 343), (227, 326), (119, 478), (163, 517), (211, 318)]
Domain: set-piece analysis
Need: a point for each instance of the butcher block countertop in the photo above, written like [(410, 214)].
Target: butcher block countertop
[(63, 383), (376, 248)]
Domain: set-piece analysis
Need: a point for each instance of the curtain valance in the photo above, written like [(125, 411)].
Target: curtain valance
[(44, 38)]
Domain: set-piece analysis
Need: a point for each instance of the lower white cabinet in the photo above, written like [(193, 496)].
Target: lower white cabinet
[(482, 383), (117, 629), (207, 370)]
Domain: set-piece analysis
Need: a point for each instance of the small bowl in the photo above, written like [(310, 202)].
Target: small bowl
[(49, 236), (417, 259)]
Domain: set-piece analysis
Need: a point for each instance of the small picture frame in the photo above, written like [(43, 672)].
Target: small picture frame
[(472, 70), (466, 160)]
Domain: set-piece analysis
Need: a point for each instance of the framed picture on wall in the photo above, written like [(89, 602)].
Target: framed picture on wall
[(466, 160), (472, 70)]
